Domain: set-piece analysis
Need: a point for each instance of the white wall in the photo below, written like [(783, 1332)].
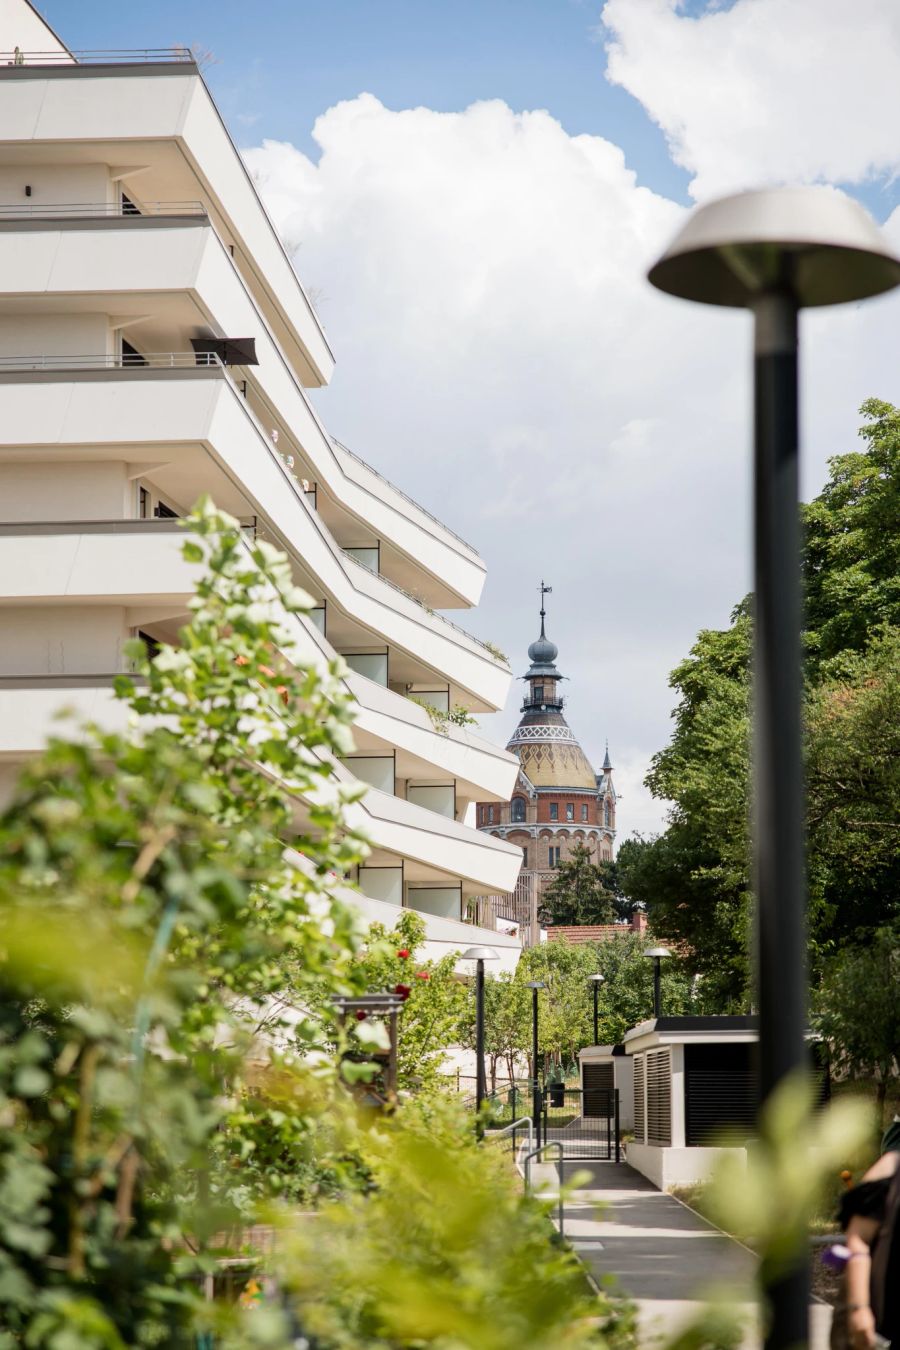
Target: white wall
[(56, 185), (444, 901), (30, 335), (670, 1167), (22, 27), (85, 491), (441, 798), (61, 640)]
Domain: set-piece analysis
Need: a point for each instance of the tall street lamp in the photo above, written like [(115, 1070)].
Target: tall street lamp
[(774, 252), (479, 955), (535, 986), (596, 981), (659, 954)]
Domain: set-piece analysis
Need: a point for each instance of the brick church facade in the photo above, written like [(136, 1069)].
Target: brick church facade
[(558, 801)]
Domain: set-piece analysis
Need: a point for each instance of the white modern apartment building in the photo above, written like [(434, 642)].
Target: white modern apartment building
[(156, 344)]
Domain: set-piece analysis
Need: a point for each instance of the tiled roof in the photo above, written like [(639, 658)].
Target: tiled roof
[(590, 932)]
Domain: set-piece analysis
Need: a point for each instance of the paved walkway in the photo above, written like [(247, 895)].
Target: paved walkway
[(666, 1258)]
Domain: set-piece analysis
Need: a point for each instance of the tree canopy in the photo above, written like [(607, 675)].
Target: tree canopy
[(578, 893)]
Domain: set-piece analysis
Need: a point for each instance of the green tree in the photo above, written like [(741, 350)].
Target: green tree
[(859, 1012), (577, 893)]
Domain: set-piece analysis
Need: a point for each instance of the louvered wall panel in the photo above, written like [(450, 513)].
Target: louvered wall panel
[(720, 1087), (598, 1090), (639, 1099), (659, 1097)]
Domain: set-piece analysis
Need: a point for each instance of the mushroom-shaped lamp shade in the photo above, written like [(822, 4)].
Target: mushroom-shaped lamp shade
[(597, 979), (479, 954), (816, 243), (657, 951), (535, 984)]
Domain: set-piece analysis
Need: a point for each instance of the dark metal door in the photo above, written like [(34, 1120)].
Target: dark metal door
[(585, 1123)]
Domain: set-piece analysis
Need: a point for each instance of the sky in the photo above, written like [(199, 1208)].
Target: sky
[(472, 191)]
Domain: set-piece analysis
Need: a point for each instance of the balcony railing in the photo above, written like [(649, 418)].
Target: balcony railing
[(54, 210), (113, 56), (405, 495), (107, 361)]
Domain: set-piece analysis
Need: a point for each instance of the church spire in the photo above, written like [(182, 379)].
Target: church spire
[(607, 762)]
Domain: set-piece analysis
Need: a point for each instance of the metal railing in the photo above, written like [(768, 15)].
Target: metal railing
[(405, 495), (54, 210), (92, 56), (526, 1168), (523, 1123), (422, 605), (108, 361)]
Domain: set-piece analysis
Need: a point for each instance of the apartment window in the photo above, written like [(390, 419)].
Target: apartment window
[(554, 810), (570, 810), (553, 855), (518, 810), (584, 811), (130, 355), (164, 512), (129, 208)]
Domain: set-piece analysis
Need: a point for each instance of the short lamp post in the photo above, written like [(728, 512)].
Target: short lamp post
[(479, 955), (659, 954), (535, 986), (775, 252), (596, 981)]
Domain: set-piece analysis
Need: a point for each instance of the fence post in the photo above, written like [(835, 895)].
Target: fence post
[(618, 1147)]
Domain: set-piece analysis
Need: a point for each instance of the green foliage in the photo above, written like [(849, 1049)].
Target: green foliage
[(694, 878), (435, 999), (577, 893), (444, 1252), (859, 1012), (458, 716), (150, 918)]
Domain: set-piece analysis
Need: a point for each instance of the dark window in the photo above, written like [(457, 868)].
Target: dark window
[(538, 693), (131, 356), (518, 810), (570, 810), (606, 814), (143, 503), (554, 811), (150, 644), (553, 856), (128, 207), (584, 811), (164, 512)]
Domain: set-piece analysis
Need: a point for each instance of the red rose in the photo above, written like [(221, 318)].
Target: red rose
[(422, 975), (404, 952), (403, 990), (361, 1015)]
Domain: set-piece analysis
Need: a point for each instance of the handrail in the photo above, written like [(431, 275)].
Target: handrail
[(427, 608), (110, 361), (510, 1129), (98, 56), (536, 1153), (37, 209), (405, 495)]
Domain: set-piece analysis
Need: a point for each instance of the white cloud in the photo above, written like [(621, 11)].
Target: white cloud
[(766, 91), (501, 356)]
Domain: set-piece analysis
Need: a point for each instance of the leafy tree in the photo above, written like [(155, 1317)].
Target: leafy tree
[(149, 916), (612, 874), (435, 999), (859, 1012), (577, 893), (507, 1026)]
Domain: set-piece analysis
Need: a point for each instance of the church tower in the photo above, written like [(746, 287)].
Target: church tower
[(558, 801)]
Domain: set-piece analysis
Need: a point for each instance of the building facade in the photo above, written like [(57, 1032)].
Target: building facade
[(558, 800), (156, 345)]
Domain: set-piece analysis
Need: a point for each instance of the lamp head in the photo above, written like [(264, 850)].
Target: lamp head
[(479, 954), (535, 984), (657, 951), (597, 979), (815, 243)]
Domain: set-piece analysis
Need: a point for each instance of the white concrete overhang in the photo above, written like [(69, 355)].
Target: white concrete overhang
[(200, 406), (159, 132), (720, 1030), (166, 280)]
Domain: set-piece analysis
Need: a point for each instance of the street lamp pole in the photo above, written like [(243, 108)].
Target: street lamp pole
[(596, 981), (776, 252), (479, 955), (658, 954), (535, 986)]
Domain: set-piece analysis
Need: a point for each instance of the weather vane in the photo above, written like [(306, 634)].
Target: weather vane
[(544, 590)]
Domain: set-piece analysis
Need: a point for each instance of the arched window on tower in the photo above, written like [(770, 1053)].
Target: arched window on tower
[(518, 810), (607, 814)]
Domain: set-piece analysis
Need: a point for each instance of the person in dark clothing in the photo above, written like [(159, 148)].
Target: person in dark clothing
[(869, 1215)]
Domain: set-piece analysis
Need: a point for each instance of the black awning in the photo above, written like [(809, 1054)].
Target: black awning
[(230, 351)]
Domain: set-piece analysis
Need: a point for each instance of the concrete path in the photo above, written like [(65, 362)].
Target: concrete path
[(663, 1256)]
